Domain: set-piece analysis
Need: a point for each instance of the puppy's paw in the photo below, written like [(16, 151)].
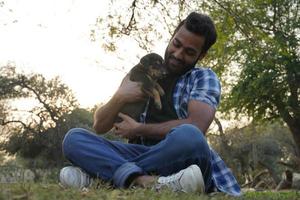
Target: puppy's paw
[(161, 92), (158, 105)]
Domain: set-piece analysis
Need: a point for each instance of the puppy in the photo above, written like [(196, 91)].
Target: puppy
[(148, 71)]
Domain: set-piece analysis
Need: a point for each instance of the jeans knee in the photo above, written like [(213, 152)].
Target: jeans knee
[(189, 138), (70, 141)]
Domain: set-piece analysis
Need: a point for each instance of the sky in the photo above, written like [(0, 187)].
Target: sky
[(52, 37)]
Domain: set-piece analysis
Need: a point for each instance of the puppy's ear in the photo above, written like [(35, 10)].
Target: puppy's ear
[(145, 60), (142, 66)]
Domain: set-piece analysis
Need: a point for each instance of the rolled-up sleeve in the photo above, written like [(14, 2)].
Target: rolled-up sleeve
[(206, 88)]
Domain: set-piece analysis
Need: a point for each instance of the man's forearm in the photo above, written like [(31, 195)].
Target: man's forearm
[(200, 114), (159, 130), (105, 116)]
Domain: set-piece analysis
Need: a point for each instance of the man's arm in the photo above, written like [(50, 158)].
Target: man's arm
[(199, 114), (105, 116)]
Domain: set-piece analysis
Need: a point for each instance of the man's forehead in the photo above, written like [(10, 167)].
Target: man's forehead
[(189, 39)]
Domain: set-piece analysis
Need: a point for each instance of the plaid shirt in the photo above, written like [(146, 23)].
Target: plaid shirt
[(202, 84)]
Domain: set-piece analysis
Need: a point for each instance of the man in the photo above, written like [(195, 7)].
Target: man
[(173, 146)]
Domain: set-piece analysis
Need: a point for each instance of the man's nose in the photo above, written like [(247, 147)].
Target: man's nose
[(178, 54)]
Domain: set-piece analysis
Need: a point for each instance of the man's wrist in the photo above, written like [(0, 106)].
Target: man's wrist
[(139, 129), (119, 98)]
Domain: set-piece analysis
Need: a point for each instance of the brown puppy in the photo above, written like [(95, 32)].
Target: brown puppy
[(148, 71)]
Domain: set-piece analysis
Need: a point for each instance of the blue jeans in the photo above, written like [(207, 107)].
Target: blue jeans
[(117, 162)]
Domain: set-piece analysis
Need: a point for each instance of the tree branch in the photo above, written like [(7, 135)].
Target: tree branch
[(46, 106), (127, 30), (237, 21), (222, 135), (25, 126)]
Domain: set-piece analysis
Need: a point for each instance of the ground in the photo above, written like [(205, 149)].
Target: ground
[(52, 191)]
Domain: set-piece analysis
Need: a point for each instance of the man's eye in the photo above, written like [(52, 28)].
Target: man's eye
[(190, 53), (176, 44)]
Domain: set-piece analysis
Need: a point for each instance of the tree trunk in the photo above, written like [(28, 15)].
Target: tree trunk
[(224, 140), (272, 170), (293, 122), (296, 135)]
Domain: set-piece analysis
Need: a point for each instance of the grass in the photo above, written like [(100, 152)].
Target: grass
[(52, 191)]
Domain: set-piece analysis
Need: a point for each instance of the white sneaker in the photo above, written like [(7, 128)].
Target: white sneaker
[(73, 177), (188, 180)]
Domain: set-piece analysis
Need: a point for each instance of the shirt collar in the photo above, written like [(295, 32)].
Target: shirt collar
[(189, 72)]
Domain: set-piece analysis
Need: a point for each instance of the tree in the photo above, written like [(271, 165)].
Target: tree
[(53, 98), (38, 130), (139, 23), (268, 87)]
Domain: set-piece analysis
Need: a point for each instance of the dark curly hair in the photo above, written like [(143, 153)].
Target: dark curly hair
[(202, 25)]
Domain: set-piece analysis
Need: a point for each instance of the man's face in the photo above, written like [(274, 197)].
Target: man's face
[(183, 51)]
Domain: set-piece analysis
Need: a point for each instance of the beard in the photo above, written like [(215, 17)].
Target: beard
[(176, 66)]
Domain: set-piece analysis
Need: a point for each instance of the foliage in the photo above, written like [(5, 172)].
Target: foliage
[(53, 97), (139, 22), (38, 131), (2, 157), (268, 86), (44, 149), (270, 57), (254, 148)]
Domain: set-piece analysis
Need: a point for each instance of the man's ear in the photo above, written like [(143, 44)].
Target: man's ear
[(202, 55)]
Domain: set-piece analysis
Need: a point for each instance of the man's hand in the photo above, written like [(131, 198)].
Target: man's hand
[(127, 127), (130, 91)]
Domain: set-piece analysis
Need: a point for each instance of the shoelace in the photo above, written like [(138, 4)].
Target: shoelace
[(171, 181), (82, 178), (85, 180)]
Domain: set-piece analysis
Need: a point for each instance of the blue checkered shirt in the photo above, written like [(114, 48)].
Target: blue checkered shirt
[(202, 84)]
